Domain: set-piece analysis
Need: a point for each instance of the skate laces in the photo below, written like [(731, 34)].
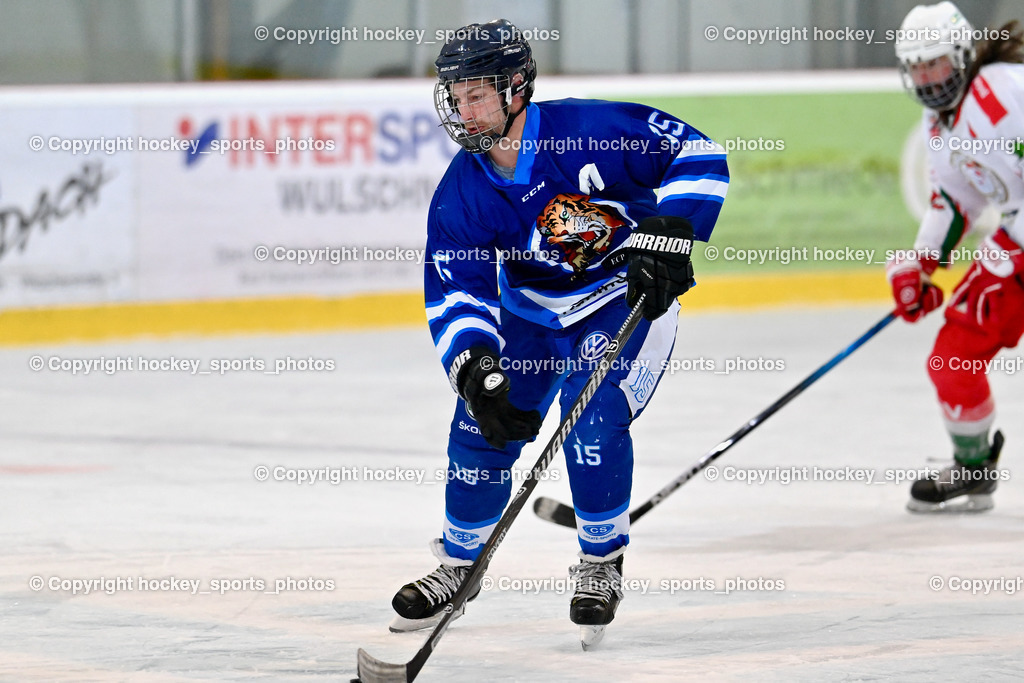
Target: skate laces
[(596, 580), (440, 585)]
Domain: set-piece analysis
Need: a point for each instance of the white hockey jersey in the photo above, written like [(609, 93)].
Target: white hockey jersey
[(978, 161)]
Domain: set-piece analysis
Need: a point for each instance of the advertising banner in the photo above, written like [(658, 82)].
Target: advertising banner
[(68, 228), (220, 192), (295, 191)]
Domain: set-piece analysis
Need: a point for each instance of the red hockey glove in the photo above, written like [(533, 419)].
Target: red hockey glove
[(1000, 265), (912, 288)]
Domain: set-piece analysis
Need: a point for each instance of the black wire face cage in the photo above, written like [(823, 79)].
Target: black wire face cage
[(945, 95), (487, 94)]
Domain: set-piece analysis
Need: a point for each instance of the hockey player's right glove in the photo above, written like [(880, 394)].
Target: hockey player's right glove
[(979, 298), (912, 288), (659, 263), (480, 381)]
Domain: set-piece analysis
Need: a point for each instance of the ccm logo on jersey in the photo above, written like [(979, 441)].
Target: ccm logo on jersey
[(676, 245), (533, 191)]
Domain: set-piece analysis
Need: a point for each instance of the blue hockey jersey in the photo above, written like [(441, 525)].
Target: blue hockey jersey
[(586, 175)]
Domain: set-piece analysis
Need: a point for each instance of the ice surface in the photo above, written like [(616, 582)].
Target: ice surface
[(151, 474)]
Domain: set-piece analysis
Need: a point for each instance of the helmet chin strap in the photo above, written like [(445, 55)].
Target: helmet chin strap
[(509, 120), (509, 117)]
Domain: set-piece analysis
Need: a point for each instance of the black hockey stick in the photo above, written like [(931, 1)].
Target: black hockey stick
[(372, 670), (565, 515)]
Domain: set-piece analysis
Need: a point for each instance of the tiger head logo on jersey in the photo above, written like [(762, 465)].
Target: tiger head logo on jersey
[(581, 229)]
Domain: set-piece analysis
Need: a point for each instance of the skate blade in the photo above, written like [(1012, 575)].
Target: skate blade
[(402, 625), (979, 502), (590, 636)]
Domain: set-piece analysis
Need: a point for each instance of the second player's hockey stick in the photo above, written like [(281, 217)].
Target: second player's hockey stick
[(372, 670), (565, 515)]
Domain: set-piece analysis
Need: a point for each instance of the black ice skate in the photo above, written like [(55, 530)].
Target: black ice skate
[(598, 592), (421, 604), (959, 488)]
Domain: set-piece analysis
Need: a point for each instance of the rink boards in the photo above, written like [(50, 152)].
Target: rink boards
[(206, 209)]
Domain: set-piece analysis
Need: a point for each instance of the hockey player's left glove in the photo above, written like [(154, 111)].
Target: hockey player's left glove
[(978, 297), (659, 263), (484, 386), (912, 288)]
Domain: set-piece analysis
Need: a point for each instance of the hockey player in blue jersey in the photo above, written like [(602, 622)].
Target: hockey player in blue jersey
[(542, 234)]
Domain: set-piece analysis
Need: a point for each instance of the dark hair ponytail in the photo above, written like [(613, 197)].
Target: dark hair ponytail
[(1007, 46)]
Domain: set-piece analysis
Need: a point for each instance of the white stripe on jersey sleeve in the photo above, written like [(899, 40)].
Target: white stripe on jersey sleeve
[(461, 324), (705, 187), (694, 151), (454, 298)]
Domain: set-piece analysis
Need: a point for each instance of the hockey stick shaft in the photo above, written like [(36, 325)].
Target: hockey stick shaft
[(758, 419), (372, 670), (564, 515)]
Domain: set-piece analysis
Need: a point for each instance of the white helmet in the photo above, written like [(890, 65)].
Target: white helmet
[(929, 32)]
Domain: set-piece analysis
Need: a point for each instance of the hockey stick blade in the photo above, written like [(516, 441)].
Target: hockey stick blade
[(372, 670), (564, 515), (553, 511)]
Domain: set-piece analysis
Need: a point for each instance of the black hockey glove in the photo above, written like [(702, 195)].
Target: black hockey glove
[(659, 263), (478, 379)]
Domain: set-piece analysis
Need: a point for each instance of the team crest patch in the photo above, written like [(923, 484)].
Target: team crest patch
[(985, 180), (581, 229)]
